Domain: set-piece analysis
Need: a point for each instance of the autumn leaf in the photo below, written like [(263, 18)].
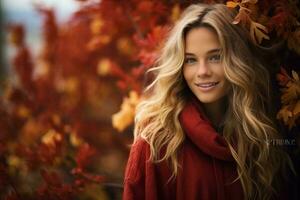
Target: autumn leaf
[(296, 110), (258, 32), (75, 140), (242, 16), (23, 111), (285, 114), (292, 90), (231, 4), (145, 6), (124, 45), (104, 66), (98, 42), (290, 111), (51, 178), (295, 76), (283, 77), (175, 12), (96, 25), (290, 93), (84, 155), (125, 116), (51, 137)]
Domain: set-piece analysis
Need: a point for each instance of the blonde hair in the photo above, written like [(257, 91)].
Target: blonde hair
[(247, 125)]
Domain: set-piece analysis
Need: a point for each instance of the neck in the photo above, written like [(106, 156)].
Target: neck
[(216, 111)]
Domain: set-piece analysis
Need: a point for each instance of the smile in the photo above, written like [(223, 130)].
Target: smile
[(206, 86)]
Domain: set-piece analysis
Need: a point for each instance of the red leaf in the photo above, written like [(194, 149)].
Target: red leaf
[(51, 178), (84, 155), (282, 77)]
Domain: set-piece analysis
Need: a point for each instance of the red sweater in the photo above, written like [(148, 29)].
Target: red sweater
[(207, 167)]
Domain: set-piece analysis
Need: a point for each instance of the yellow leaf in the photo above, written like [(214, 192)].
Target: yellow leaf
[(175, 13), (256, 32), (284, 114), (122, 119), (295, 75), (41, 69), (103, 67), (96, 25), (231, 4), (296, 109), (69, 85), (13, 160), (50, 137), (98, 41), (23, 111), (31, 131), (125, 46), (125, 116), (75, 140)]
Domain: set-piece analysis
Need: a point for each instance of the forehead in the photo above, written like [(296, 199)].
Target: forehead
[(201, 40)]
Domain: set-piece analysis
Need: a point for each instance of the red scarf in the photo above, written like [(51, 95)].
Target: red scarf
[(200, 131)]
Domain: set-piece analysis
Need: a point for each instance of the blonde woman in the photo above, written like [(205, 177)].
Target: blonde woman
[(203, 130)]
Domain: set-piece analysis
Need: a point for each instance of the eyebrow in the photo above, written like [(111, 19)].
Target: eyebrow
[(209, 52)]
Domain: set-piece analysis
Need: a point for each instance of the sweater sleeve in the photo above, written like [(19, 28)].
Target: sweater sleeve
[(134, 180)]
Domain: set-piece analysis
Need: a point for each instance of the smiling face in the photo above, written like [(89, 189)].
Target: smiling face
[(203, 69)]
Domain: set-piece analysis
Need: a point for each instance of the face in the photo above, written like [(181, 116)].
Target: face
[(203, 69)]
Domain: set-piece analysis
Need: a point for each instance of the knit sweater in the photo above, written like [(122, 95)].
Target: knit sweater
[(207, 169)]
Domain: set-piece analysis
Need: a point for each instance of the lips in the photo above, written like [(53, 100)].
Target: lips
[(206, 85)]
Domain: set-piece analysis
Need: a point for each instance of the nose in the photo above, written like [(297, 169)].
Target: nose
[(203, 69)]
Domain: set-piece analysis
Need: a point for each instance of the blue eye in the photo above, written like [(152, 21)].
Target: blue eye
[(189, 60), (215, 58)]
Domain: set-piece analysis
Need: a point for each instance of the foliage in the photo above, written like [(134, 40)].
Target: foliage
[(57, 140)]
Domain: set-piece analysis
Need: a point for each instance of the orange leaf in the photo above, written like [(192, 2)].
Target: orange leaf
[(231, 4), (242, 16), (175, 13), (291, 93), (296, 109), (285, 114)]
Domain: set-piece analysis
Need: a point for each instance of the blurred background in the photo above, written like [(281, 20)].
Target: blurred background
[(73, 71)]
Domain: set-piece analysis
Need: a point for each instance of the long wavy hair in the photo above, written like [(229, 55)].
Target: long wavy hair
[(248, 127)]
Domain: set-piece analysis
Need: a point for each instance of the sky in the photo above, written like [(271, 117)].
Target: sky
[(13, 9), (63, 7), (22, 11)]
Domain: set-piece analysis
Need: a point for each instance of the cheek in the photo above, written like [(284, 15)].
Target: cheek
[(219, 71), (187, 74), (226, 86)]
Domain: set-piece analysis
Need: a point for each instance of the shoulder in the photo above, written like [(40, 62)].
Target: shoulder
[(139, 150), (140, 144), (139, 155)]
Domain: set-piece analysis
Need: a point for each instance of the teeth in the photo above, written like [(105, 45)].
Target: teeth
[(207, 84)]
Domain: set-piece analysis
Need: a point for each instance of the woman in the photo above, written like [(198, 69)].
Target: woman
[(204, 130)]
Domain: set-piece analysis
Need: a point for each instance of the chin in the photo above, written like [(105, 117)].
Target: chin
[(207, 100)]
